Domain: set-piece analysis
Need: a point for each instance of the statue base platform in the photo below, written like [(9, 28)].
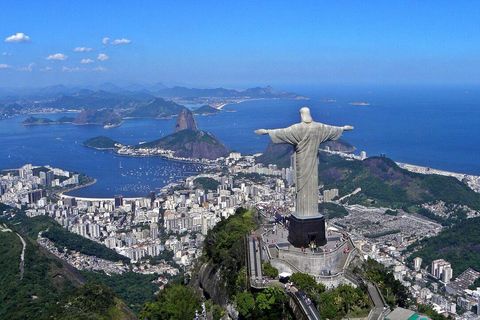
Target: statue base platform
[(304, 230)]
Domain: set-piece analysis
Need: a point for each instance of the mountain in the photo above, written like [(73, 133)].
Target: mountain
[(189, 142), (278, 154), (205, 110), (30, 121), (50, 288), (157, 108), (253, 93), (103, 117), (88, 99), (101, 142), (157, 87), (185, 121), (384, 183), (9, 110), (339, 145)]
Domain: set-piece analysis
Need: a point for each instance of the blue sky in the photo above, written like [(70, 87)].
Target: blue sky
[(239, 44)]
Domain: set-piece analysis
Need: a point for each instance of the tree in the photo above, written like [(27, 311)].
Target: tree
[(245, 304), (166, 305), (270, 271), (306, 282)]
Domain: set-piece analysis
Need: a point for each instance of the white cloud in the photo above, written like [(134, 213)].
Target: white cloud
[(87, 61), (105, 40), (65, 69), (18, 38), (82, 49), (6, 54), (29, 68), (45, 69), (4, 66), (100, 68), (121, 41), (57, 56), (102, 57)]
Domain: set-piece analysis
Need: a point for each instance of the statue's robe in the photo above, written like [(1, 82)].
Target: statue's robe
[(306, 138)]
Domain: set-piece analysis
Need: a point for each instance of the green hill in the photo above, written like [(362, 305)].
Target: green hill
[(30, 121), (191, 144), (205, 110), (50, 288), (101, 142), (95, 116), (157, 108), (459, 244), (384, 183)]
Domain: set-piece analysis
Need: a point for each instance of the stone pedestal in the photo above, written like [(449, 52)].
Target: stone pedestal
[(303, 231)]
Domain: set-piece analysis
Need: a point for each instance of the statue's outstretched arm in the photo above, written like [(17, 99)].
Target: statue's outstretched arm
[(347, 128), (261, 131)]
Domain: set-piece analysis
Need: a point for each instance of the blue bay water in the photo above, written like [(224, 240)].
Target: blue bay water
[(436, 126)]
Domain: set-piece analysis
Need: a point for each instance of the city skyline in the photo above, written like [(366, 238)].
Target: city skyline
[(208, 44)]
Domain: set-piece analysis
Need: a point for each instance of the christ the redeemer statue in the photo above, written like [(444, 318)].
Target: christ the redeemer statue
[(306, 224)]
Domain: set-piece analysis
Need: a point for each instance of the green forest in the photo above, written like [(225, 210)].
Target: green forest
[(459, 245)]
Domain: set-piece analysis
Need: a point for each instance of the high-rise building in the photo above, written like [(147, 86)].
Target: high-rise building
[(154, 230), (363, 155), (447, 274), (71, 202), (118, 200), (417, 263), (442, 269), (34, 196)]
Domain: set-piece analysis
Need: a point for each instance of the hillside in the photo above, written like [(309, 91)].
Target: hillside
[(31, 121), (191, 144), (61, 237), (94, 116), (205, 111), (101, 142), (459, 244), (156, 108), (50, 288), (385, 184), (88, 99)]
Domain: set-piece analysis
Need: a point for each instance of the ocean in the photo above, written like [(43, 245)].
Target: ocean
[(435, 126)]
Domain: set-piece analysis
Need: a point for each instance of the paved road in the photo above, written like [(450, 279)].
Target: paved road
[(254, 253), (22, 256), (377, 311)]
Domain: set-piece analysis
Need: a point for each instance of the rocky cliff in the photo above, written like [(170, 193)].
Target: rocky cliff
[(185, 121), (208, 282)]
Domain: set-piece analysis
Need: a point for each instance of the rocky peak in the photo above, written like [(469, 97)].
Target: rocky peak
[(185, 120)]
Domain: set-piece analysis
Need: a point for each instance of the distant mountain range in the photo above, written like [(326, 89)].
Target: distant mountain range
[(133, 100)]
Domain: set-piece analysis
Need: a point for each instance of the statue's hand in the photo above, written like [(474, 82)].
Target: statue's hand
[(347, 128), (261, 131)]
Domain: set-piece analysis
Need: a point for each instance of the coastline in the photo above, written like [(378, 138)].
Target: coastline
[(62, 194)]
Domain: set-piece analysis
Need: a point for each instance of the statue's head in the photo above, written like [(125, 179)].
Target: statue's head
[(305, 115)]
